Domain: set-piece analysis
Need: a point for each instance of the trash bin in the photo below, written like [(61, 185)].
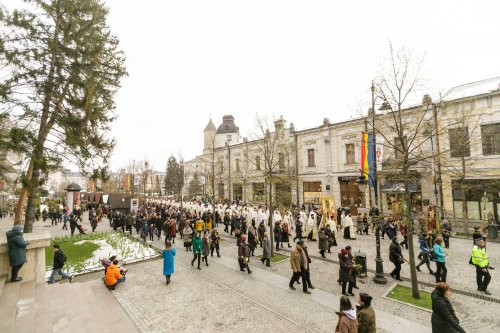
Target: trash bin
[(361, 260), (493, 231)]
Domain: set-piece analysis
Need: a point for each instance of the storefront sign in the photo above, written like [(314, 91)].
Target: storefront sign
[(348, 179)]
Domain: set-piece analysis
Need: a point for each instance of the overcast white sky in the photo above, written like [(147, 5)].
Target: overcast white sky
[(306, 60)]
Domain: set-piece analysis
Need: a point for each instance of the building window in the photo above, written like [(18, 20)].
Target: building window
[(312, 192), (221, 166), (237, 162), (258, 191), (221, 190), (281, 161), (399, 149), (257, 163), (349, 154), (490, 137), (310, 158), (229, 138), (459, 142)]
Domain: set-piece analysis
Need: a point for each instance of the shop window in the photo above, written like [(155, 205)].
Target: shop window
[(312, 192), (311, 162), (459, 142), (221, 190), (490, 137), (350, 154)]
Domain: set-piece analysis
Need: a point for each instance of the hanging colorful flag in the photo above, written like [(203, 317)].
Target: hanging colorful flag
[(127, 183), (92, 185), (367, 157)]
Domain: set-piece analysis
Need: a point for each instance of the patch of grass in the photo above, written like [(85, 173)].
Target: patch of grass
[(277, 257), (76, 254), (404, 294)]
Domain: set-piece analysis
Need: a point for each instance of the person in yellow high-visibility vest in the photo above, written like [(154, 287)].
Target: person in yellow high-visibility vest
[(480, 260)]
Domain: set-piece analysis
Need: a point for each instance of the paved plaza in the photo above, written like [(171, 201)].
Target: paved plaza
[(223, 299)]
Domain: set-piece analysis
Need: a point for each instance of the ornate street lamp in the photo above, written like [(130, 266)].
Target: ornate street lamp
[(379, 277)]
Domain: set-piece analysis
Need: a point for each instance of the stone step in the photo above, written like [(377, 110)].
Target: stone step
[(25, 314), (111, 310), (8, 306), (86, 307), (3, 280), (43, 315)]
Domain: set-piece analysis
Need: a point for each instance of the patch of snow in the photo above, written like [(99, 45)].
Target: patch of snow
[(129, 251)]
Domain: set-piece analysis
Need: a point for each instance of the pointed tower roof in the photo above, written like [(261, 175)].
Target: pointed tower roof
[(210, 127)]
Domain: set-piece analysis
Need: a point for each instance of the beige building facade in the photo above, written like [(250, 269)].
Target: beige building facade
[(325, 160)]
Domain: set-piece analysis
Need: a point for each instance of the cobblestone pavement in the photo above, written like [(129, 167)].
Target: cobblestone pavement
[(325, 274), (220, 298), (461, 275)]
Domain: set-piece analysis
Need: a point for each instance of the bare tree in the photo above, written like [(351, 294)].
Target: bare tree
[(272, 148), (144, 172), (404, 132)]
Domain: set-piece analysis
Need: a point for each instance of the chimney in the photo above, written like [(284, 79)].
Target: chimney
[(326, 121), (245, 139)]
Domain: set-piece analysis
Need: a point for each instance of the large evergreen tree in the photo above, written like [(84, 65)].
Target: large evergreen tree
[(174, 176), (195, 186), (60, 70)]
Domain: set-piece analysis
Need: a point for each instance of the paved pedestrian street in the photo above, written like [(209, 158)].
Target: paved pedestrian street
[(220, 298)]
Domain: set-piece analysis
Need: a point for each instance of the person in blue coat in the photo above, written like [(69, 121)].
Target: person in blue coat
[(440, 260), (168, 261)]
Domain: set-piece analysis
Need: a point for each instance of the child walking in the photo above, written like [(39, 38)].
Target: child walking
[(168, 261), (152, 232)]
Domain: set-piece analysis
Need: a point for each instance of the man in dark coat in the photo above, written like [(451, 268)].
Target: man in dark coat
[(17, 250), (266, 250), (59, 260), (396, 257), (277, 235), (323, 242), (244, 255), (298, 229), (260, 231)]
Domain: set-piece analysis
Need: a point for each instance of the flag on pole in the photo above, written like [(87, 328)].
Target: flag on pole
[(367, 157), (127, 183), (92, 185)]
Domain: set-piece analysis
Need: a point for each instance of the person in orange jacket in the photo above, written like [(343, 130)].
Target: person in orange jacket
[(113, 276)]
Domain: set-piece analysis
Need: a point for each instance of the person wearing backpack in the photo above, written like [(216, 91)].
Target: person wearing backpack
[(59, 260)]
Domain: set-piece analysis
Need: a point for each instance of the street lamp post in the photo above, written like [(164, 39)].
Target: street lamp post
[(379, 277)]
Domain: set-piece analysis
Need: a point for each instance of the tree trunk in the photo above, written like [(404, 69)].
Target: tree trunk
[(23, 196), (409, 233), (31, 203)]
